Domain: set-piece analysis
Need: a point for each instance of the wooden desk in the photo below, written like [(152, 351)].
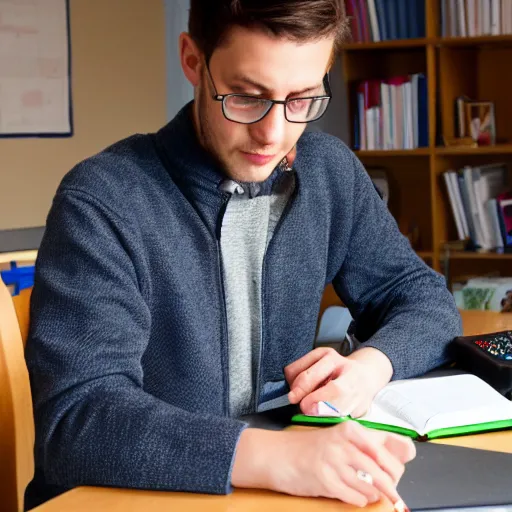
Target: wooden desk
[(479, 322), (85, 499)]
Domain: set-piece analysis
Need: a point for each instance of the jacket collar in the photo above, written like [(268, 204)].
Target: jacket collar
[(186, 159)]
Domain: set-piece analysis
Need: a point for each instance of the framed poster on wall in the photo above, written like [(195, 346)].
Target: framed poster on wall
[(35, 69)]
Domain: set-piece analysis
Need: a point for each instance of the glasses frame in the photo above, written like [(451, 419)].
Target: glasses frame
[(223, 97)]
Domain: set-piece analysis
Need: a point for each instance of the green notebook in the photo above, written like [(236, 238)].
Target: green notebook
[(431, 407)]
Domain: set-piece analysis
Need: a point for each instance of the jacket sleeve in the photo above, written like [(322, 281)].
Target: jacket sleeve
[(399, 305), (90, 324)]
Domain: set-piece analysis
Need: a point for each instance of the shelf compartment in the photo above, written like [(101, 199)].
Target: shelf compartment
[(498, 149), (478, 255), (475, 41), (381, 153), (471, 71), (425, 255), (409, 182), (384, 45)]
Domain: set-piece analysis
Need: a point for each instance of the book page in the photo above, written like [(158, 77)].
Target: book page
[(377, 414), (396, 407), (433, 403)]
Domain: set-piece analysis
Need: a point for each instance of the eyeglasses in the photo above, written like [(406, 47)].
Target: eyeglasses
[(245, 109)]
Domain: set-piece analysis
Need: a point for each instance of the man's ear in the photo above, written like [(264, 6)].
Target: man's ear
[(190, 58)]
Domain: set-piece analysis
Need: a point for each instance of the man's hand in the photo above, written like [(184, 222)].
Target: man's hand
[(323, 462), (349, 383)]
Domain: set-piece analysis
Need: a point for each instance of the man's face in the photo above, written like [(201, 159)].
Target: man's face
[(254, 63)]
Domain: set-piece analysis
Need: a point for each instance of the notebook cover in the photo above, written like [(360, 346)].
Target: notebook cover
[(303, 419)]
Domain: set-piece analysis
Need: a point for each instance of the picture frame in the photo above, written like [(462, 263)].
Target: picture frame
[(481, 122)]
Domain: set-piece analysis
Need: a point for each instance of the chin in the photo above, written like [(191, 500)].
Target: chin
[(242, 171), (260, 173)]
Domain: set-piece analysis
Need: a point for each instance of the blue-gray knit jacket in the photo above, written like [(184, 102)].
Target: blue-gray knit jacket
[(128, 352)]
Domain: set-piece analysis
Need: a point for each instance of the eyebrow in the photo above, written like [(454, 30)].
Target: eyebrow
[(266, 90)]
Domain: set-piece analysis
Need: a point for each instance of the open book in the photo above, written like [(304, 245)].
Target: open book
[(430, 407)]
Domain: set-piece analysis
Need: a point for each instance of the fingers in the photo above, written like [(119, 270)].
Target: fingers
[(382, 480), (389, 452), (314, 376), (341, 485), (292, 371), (369, 454), (360, 409), (331, 393), (368, 490), (402, 447), (348, 494)]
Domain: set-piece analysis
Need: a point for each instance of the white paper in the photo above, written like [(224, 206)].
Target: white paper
[(34, 70)]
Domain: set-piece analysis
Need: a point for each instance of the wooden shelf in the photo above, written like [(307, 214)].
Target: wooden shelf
[(383, 45), (474, 41), (425, 255), (437, 41), (394, 152), (469, 255), (498, 149)]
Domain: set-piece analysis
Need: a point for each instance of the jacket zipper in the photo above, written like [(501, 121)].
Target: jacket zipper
[(263, 281), (224, 323)]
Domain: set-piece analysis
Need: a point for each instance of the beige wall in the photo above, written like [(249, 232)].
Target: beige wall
[(119, 88)]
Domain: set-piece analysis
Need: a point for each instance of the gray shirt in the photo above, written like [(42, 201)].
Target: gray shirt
[(247, 228)]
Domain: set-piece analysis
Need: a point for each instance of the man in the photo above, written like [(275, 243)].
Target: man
[(179, 281)]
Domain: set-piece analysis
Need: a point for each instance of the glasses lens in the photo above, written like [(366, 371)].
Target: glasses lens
[(306, 110), (245, 109)]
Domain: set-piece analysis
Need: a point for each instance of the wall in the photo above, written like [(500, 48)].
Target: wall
[(119, 88), (179, 90)]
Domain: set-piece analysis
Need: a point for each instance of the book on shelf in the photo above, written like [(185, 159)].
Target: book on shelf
[(430, 407), (460, 116), (484, 294), (373, 21), (392, 114), (473, 18), (504, 204), (481, 205)]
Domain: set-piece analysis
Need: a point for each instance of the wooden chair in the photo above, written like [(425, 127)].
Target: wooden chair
[(329, 298), (16, 414)]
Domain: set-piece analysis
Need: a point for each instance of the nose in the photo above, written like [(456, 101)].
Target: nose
[(270, 131)]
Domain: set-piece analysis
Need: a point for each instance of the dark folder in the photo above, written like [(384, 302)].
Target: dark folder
[(443, 476)]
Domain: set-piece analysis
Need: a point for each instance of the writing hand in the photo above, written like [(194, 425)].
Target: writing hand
[(324, 462)]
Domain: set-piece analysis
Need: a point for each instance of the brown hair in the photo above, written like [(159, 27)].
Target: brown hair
[(297, 20)]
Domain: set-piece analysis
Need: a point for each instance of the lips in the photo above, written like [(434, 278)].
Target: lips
[(258, 159)]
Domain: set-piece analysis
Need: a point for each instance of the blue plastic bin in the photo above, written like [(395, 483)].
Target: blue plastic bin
[(19, 278)]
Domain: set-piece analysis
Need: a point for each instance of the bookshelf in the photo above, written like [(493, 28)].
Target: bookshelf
[(477, 67)]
